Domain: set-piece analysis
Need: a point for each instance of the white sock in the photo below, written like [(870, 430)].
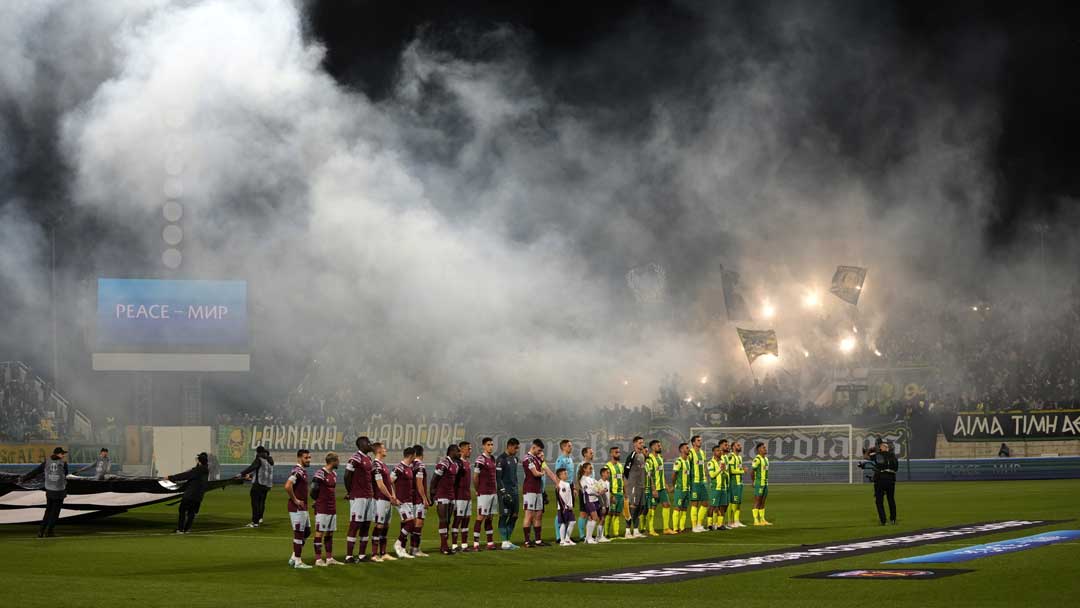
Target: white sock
[(590, 528)]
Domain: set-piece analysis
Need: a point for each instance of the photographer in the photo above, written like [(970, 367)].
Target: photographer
[(884, 465)]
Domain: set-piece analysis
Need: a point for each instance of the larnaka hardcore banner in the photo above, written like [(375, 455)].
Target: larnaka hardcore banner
[(681, 571), (1047, 425)]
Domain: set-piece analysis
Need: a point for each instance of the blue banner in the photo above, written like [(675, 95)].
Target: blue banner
[(988, 549), (169, 316)]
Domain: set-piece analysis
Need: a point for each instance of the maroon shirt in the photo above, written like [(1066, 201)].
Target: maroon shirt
[(326, 503), (446, 472), (380, 472), (404, 482), (532, 483), (419, 473), (485, 471), (463, 485), (298, 475), (362, 475)]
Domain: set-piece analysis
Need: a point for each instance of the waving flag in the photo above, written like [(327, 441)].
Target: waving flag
[(758, 342), (737, 310), (24, 502), (847, 283)]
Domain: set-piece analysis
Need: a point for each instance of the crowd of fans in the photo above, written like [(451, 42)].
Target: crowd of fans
[(24, 413)]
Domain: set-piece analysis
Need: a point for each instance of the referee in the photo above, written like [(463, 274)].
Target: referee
[(885, 467)]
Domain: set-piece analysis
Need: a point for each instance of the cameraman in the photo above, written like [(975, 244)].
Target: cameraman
[(884, 465)]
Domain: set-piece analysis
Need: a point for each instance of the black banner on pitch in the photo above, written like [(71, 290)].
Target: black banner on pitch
[(1017, 426), (681, 571), (881, 574)]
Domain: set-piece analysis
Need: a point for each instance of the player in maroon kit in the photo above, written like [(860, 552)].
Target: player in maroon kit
[(486, 493), (404, 486), (360, 492), (420, 500), (297, 489), (443, 486), (324, 490), (533, 488), (384, 497), (462, 499)]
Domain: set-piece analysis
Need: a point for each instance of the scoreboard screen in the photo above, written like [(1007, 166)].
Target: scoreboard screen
[(171, 325)]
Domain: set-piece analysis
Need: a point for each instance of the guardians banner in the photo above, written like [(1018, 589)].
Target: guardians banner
[(1047, 425), (808, 443)]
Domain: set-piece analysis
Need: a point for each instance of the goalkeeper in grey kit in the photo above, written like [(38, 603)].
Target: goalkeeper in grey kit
[(634, 473)]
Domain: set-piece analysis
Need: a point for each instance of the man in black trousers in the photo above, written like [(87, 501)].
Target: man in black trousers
[(56, 471), (198, 478), (261, 474), (885, 467)]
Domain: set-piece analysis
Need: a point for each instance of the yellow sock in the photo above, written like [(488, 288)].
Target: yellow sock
[(699, 515), (756, 518), (666, 512), (615, 525), (738, 514), (652, 521), (762, 510)]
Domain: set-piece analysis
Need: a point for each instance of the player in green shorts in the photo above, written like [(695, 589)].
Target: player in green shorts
[(760, 470), (659, 496), (680, 482), (699, 493), (736, 470), (718, 486), (615, 509)]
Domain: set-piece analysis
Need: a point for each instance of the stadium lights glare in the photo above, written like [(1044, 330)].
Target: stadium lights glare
[(811, 299), (704, 379), (769, 358), (626, 383), (689, 398), (854, 329), (975, 308), (768, 311), (806, 353), (847, 344), (877, 352)]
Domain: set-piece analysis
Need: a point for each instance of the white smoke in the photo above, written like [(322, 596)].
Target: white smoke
[(459, 238)]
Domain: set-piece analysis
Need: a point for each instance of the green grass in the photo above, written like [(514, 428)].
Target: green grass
[(133, 559)]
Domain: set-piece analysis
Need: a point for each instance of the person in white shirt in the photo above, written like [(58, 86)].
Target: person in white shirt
[(603, 492), (565, 517), (592, 490)]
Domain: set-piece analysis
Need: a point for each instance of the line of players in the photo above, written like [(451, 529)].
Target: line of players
[(702, 491)]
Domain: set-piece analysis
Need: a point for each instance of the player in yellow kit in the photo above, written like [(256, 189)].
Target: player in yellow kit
[(719, 479), (659, 498), (680, 482), (760, 471), (699, 493), (736, 470)]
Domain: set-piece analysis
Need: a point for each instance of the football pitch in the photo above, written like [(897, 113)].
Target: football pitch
[(134, 559)]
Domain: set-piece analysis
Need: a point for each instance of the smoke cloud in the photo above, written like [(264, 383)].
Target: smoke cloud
[(466, 238)]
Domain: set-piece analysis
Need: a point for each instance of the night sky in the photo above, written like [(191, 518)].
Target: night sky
[(600, 55)]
